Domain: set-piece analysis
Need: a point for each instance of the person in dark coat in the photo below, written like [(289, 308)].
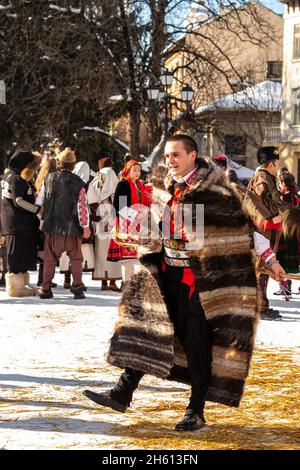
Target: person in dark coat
[(19, 222), (66, 222), (3, 253), (263, 204)]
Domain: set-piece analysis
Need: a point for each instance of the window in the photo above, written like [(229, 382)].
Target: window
[(296, 49), (296, 101), (235, 145), (274, 70)]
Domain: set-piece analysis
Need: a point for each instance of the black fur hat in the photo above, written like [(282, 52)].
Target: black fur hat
[(20, 160), (266, 154)]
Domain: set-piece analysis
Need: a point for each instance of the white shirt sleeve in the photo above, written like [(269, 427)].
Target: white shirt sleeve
[(40, 197), (262, 247), (93, 196), (110, 182)]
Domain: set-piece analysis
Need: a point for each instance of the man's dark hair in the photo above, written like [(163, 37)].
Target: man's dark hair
[(188, 142), (104, 162), (267, 154)]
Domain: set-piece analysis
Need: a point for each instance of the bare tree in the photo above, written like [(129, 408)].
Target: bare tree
[(64, 61), (56, 69)]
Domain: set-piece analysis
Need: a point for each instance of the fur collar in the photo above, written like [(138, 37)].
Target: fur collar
[(209, 177)]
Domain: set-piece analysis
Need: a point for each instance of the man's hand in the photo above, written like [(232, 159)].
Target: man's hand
[(277, 219), (86, 232), (277, 271)]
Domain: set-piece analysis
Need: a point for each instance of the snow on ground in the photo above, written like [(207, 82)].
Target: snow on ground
[(51, 350)]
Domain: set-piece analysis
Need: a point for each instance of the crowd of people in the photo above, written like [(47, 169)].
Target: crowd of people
[(55, 213), (190, 303)]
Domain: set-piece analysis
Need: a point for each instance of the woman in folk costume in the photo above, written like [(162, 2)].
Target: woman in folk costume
[(190, 312), (82, 170), (19, 222), (289, 248), (100, 196), (130, 196)]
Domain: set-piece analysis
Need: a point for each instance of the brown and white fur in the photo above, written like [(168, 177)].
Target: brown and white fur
[(225, 279)]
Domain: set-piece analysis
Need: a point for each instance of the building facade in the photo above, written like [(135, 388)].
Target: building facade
[(290, 117), (219, 58), (239, 123), (244, 69)]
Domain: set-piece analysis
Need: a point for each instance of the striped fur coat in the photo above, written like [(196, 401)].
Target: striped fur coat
[(225, 278)]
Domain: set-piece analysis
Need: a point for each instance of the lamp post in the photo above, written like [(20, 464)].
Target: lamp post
[(161, 94)]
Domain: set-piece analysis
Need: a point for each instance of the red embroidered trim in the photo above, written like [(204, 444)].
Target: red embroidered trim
[(192, 178), (265, 254), (82, 209)]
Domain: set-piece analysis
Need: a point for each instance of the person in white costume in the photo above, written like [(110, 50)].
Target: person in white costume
[(100, 196)]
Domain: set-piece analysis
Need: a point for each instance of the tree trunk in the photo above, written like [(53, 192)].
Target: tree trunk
[(134, 132)]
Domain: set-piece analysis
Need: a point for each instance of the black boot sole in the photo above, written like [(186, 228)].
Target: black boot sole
[(45, 296), (189, 428), (80, 296), (105, 401), (264, 316)]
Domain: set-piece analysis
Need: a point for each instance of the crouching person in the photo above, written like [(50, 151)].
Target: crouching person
[(66, 221), (19, 222)]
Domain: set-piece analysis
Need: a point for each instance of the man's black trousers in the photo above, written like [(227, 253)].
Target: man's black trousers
[(192, 330)]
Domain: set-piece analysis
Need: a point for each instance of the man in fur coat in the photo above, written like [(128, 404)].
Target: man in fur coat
[(189, 314), (262, 202)]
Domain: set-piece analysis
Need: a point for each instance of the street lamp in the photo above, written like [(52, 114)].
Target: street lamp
[(166, 78), (187, 94), (153, 92), (160, 93)]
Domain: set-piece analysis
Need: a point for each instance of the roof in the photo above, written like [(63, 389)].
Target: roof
[(241, 171), (265, 96)]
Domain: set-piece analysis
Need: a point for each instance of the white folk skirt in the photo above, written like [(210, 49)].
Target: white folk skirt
[(105, 270)]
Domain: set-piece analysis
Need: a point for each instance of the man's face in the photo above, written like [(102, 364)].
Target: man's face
[(274, 167), (178, 161)]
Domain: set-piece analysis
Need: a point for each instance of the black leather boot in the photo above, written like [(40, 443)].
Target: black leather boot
[(78, 291), (270, 314), (45, 294), (40, 277), (191, 421), (106, 399)]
